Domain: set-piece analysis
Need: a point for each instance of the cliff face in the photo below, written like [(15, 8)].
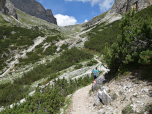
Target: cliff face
[(122, 6), (7, 7), (34, 8)]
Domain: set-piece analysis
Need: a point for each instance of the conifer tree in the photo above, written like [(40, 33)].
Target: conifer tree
[(134, 43)]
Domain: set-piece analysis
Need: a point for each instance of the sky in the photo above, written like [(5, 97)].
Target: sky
[(71, 12)]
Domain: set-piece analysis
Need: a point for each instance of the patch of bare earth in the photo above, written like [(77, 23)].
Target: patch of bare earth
[(82, 102)]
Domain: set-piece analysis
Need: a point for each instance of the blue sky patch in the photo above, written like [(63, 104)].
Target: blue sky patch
[(71, 12)]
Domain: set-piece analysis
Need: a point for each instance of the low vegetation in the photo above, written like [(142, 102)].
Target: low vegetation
[(78, 66), (97, 39), (127, 110), (92, 62), (51, 98), (133, 46), (67, 59), (39, 51), (13, 38)]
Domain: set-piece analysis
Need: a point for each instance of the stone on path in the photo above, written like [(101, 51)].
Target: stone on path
[(103, 95), (97, 100)]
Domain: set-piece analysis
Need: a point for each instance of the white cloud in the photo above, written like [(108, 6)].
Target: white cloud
[(86, 20), (104, 5), (64, 20)]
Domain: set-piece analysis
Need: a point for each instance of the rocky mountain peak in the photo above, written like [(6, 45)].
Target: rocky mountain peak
[(122, 6), (34, 8), (7, 7)]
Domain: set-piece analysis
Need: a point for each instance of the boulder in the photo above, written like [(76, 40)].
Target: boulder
[(98, 82), (100, 95), (104, 87), (104, 97), (97, 100)]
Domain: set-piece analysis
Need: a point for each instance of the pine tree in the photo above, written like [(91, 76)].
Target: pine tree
[(134, 43)]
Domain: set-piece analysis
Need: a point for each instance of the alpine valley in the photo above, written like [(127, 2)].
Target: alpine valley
[(45, 68)]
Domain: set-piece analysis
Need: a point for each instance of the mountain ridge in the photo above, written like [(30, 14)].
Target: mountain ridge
[(7, 8), (34, 8)]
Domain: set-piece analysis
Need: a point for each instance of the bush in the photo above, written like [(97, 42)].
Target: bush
[(50, 50), (97, 39), (52, 97), (78, 66), (12, 92), (22, 37), (133, 45), (92, 62), (67, 59), (64, 46), (127, 110), (53, 38)]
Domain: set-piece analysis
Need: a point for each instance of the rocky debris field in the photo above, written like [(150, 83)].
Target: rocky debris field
[(123, 95)]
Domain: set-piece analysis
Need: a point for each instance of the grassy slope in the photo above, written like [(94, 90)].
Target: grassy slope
[(26, 30), (109, 33), (96, 18), (66, 59), (31, 20), (71, 30), (28, 20), (99, 38)]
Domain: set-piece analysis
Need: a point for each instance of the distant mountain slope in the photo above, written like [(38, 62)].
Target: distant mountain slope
[(95, 19), (119, 8), (34, 8)]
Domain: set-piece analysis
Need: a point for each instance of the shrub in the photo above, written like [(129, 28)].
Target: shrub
[(97, 39), (133, 44), (78, 66), (52, 97), (67, 59), (64, 46), (92, 62), (127, 110), (50, 50)]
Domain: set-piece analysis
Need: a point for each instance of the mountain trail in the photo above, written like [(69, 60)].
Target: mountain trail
[(82, 102)]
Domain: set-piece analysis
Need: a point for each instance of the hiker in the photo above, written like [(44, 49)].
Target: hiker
[(95, 73)]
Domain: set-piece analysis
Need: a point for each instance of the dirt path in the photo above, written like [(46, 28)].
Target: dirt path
[(82, 102)]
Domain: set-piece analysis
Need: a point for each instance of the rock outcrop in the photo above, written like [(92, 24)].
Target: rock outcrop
[(123, 6), (34, 8), (102, 96), (7, 8), (97, 83), (119, 7)]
